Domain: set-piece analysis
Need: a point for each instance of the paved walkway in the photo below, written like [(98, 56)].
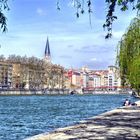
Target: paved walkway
[(119, 124)]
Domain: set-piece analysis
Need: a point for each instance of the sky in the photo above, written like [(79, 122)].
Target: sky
[(73, 42)]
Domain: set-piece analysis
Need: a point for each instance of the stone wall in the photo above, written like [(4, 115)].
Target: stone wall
[(34, 92)]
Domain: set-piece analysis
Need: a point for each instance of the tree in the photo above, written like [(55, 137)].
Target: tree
[(80, 7), (2, 58), (129, 55), (3, 19), (53, 77)]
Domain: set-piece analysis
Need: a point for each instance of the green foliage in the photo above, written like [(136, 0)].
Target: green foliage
[(124, 5), (129, 55), (3, 19), (53, 74), (82, 6)]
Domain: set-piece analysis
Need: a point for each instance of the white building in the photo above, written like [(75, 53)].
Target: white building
[(114, 81), (85, 79), (96, 81)]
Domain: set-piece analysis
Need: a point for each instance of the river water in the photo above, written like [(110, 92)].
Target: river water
[(25, 116)]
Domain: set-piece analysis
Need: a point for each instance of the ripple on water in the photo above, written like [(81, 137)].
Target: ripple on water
[(24, 116)]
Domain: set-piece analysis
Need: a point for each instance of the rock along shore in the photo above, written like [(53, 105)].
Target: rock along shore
[(120, 124)]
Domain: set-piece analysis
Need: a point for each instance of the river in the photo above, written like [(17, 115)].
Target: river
[(25, 116)]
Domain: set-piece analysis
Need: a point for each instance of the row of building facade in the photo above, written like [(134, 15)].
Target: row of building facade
[(23, 76), (87, 79), (32, 73)]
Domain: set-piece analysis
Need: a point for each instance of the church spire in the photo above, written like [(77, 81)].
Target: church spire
[(47, 49)]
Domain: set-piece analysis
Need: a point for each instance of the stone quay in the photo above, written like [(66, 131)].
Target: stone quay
[(119, 124)]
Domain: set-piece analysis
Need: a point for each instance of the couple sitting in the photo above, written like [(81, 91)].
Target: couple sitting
[(128, 103)]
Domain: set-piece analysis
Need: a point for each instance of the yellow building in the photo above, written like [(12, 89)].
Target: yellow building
[(5, 75)]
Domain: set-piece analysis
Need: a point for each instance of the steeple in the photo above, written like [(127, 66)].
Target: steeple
[(47, 51)]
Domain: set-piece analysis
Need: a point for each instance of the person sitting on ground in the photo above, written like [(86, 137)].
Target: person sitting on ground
[(134, 104), (127, 103)]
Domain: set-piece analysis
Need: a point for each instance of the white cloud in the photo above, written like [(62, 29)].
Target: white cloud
[(93, 59), (41, 12), (118, 34), (71, 3)]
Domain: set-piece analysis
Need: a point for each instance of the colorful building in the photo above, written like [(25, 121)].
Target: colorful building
[(95, 79)]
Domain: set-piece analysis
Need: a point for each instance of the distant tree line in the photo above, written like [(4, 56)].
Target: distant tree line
[(129, 55), (53, 74)]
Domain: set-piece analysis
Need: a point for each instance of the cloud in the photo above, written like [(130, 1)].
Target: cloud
[(96, 64), (93, 59), (105, 48), (71, 4), (85, 51), (70, 46), (41, 12), (117, 34), (65, 56), (87, 47)]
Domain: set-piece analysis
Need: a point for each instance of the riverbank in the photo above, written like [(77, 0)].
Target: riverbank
[(119, 124), (33, 92), (54, 92)]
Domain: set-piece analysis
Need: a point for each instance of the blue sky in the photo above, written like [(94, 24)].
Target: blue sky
[(73, 42)]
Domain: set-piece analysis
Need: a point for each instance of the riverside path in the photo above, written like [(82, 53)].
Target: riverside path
[(119, 124)]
